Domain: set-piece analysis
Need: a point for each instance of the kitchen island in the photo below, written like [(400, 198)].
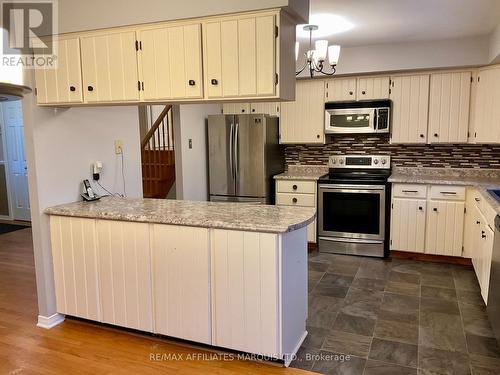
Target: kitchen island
[(229, 275)]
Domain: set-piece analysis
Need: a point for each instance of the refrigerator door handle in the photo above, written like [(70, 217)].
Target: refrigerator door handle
[(231, 146), (236, 151)]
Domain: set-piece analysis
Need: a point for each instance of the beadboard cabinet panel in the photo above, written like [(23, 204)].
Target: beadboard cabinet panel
[(235, 108), (170, 61), (64, 84), (408, 224), (373, 88), (245, 287), (74, 256), (272, 109), (340, 89), (302, 121), (125, 274), (109, 64), (410, 107), (449, 107), (445, 227), (181, 282), (487, 110)]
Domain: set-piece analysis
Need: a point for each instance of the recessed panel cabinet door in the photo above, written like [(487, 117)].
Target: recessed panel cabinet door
[(408, 225), (110, 67), (125, 274), (171, 62), (64, 84), (445, 225), (302, 121), (410, 107), (449, 107), (181, 279), (240, 57)]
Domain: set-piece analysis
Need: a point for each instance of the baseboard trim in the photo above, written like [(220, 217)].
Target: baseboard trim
[(431, 258), (50, 321)]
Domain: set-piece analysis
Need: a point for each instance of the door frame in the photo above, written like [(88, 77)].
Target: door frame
[(5, 163)]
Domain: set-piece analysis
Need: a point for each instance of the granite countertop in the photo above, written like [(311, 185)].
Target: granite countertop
[(303, 172), (482, 179), (236, 216)]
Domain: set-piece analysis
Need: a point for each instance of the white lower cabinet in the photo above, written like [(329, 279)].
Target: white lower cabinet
[(408, 224), (125, 274), (181, 282), (428, 219), (298, 193), (245, 286)]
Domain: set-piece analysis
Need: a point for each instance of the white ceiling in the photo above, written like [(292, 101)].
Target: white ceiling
[(388, 21)]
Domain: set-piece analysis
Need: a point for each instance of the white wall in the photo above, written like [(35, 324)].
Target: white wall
[(410, 56), (60, 147), (191, 165), (78, 15)]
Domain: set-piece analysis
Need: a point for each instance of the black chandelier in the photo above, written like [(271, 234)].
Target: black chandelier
[(315, 58)]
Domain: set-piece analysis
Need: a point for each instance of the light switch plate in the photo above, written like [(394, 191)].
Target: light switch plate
[(118, 146)]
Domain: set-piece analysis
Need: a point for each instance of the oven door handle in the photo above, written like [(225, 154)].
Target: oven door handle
[(352, 188)]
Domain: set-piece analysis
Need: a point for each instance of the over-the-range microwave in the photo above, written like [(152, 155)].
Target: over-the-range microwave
[(357, 117)]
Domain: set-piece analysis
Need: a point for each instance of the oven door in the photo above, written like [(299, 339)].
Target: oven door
[(352, 211), (349, 121)]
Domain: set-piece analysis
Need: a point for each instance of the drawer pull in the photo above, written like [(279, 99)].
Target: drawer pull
[(410, 191), (477, 199), (214, 82), (448, 192), (192, 82), (72, 88), (478, 222), (294, 187), (90, 88), (294, 200)]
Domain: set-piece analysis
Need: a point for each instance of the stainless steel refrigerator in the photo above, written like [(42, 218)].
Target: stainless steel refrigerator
[(244, 154)]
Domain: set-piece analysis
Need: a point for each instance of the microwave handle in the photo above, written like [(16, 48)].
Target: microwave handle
[(375, 118)]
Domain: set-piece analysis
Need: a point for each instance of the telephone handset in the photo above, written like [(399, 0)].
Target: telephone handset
[(89, 194)]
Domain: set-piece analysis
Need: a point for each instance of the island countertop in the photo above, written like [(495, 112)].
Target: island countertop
[(235, 216)]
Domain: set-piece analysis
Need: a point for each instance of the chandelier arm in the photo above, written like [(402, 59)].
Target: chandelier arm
[(301, 69)]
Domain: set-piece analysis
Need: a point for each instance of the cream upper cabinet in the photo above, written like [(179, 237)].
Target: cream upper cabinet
[(410, 107), (64, 84), (170, 62), (408, 217), (340, 89), (109, 64), (449, 107), (240, 56), (302, 121), (487, 110), (236, 108), (373, 88), (272, 109)]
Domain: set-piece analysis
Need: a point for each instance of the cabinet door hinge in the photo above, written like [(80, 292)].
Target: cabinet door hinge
[(276, 31), (391, 242), (137, 45), (475, 134), (36, 91), (479, 78), (276, 79), (139, 85), (392, 205), (390, 91), (465, 210), (471, 79), (140, 45), (142, 85)]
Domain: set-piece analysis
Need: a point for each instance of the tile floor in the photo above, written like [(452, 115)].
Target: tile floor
[(372, 316)]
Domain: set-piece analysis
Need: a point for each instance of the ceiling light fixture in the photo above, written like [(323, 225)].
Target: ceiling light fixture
[(315, 58)]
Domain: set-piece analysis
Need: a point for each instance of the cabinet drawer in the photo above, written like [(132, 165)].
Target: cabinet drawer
[(291, 186), (304, 200), (445, 192), (410, 191)]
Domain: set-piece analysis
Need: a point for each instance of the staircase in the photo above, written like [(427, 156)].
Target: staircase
[(158, 157)]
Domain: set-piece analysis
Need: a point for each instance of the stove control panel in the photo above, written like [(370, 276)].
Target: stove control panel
[(360, 161)]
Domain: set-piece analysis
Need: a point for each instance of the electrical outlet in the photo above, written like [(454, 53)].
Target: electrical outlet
[(118, 146)]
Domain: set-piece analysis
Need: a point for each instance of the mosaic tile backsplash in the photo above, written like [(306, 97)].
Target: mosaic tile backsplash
[(447, 156)]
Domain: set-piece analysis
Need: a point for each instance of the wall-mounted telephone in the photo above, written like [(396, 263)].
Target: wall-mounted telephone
[(89, 194)]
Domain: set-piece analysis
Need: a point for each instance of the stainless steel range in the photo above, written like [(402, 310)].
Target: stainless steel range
[(353, 206)]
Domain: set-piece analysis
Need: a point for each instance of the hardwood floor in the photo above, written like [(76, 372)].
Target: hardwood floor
[(79, 347)]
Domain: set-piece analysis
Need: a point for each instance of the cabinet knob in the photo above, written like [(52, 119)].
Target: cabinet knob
[(363, 92), (253, 109), (351, 93), (422, 136), (435, 209), (72, 88), (478, 222), (294, 187), (191, 82), (90, 88), (317, 136), (214, 82), (243, 111), (294, 200), (436, 135), (421, 208)]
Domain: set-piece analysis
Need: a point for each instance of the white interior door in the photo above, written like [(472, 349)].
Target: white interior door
[(18, 170)]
